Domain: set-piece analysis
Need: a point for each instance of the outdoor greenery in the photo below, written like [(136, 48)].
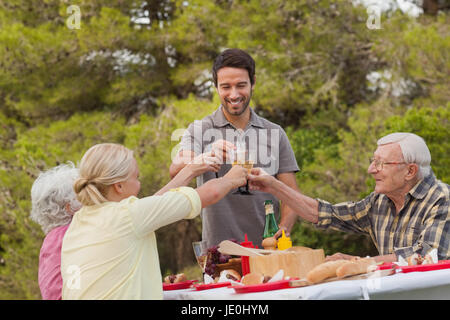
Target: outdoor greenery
[(138, 72)]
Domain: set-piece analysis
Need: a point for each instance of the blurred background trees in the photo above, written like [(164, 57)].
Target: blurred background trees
[(137, 72)]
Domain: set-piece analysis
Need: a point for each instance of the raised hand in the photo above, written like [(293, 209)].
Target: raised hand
[(204, 162), (237, 176), (260, 180), (223, 150)]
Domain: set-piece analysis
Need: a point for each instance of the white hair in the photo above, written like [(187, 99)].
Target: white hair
[(50, 193), (414, 150)]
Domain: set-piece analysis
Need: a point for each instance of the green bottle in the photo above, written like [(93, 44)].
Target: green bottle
[(271, 226)]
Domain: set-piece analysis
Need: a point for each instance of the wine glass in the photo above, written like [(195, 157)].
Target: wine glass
[(201, 253), (246, 160)]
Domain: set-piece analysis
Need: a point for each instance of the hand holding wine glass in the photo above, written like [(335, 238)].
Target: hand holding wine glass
[(204, 162), (245, 159), (237, 176), (261, 180)]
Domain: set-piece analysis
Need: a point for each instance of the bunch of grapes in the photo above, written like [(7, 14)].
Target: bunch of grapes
[(215, 258)]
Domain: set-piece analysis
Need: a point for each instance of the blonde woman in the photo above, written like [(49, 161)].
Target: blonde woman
[(109, 250)]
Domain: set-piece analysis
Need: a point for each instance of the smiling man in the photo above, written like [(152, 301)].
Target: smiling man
[(235, 127), (407, 213)]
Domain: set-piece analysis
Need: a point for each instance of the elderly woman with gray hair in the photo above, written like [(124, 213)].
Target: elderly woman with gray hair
[(53, 204)]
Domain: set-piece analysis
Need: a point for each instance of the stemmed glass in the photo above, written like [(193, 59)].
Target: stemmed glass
[(245, 159), (201, 253)]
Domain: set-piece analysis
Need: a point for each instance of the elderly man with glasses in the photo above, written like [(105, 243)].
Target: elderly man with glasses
[(407, 213)]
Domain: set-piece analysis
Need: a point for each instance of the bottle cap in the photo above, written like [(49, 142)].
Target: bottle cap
[(284, 242)]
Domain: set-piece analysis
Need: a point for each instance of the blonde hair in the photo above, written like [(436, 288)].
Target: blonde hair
[(101, 166)]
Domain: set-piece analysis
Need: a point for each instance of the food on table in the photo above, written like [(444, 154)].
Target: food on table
[(340, 268), (428, 259), (269, 243), (415, 260), (252, 278), (231, 275), (233, 263), (214, 258), (324, 271), (354, 267), (175, 278)]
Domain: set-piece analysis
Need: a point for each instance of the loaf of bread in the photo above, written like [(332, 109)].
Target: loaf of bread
[(231, 275), (354, 267), (324, 271), (175, 278)]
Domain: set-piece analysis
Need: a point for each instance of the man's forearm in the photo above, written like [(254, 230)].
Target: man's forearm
[(307, 208)]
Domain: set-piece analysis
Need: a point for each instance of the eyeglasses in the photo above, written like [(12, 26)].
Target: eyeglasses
[(379, 164)]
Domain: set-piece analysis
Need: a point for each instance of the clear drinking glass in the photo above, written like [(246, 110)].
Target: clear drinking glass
[(201, 253), (246, 159)]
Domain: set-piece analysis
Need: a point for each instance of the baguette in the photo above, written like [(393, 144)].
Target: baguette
[(324, 271), (354, 267)]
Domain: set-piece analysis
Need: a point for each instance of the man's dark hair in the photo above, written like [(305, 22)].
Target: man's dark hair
[(234, 58)]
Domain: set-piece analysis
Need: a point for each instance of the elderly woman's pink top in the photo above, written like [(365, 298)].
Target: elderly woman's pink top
[(50, 280)]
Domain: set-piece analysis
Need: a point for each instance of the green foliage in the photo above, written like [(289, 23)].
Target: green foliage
[(305, 234), (305, 142), (433, 125)]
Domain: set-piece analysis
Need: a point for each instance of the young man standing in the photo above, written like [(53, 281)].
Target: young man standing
[(235, 129)]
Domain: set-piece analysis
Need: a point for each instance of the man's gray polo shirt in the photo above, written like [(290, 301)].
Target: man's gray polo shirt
[(236, 215)]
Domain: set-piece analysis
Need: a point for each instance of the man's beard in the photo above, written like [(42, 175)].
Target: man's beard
[(230, 111)]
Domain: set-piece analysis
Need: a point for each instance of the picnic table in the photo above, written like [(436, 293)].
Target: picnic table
[(414, 285)]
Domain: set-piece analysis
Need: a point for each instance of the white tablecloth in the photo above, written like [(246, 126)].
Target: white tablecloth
[(413, 285)]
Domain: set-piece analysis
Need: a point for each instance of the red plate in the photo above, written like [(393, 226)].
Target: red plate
[(443, 264), (386, 266), (276, 285), (179, 285), (200, 287)]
